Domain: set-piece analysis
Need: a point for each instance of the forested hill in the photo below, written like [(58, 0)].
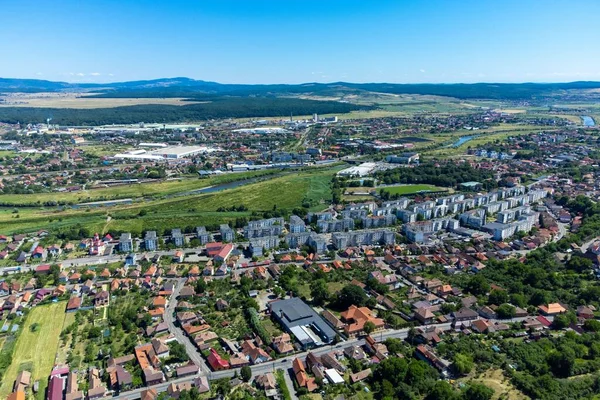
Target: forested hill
[(185, 87)]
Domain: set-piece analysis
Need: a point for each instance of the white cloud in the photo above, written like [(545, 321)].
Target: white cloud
[(422, 70), (39, 74), (80, 74), (111, 74), (95, 73)]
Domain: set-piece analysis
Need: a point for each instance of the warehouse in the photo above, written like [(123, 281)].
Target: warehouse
[(296, 317)]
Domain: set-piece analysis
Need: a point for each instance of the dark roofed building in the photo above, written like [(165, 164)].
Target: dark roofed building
[(299, 319)]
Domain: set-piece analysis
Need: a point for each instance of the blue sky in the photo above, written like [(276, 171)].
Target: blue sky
[(290, 41)]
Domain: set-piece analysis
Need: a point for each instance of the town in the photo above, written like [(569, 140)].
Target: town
[(406, 258)]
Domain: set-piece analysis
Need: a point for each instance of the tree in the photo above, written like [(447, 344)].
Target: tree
[(463, 364), (478, 391), (592, 325), (478, 285), (246, 373), (369, 327), (319, 292), (561, 362), (506, 311), (498, 297), (352, 295), (442, 390), (562, 321)]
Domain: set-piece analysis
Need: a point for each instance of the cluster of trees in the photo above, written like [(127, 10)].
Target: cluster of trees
[(402, 378), (447, 175), (545, 365), (257, 326)]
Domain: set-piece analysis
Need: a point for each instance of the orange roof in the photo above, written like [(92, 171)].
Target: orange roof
[(357, 317), (18, 395), (553, 308), (159, 301), (157, 312)]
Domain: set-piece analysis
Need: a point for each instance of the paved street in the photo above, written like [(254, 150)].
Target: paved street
[(195, 356)]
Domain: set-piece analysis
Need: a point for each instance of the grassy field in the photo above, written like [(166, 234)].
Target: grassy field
[(412, 189), (81, 101), (283, 193), (150, 189), (503, 389), (35, 351)]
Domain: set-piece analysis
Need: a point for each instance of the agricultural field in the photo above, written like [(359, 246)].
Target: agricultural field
[(36, 346), (81, 101)]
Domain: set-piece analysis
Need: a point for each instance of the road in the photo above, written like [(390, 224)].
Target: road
[(286, 363), (584, 247), (178, 332)]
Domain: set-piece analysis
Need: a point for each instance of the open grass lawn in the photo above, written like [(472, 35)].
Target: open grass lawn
[(138, 190), (503, 389), (283, 192), (35, 351), (412, 189)]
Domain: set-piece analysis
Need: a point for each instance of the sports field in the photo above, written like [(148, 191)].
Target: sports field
[(35, 351), (411, 189)]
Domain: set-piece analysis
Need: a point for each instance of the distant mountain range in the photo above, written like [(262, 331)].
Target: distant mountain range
[(196, 89)]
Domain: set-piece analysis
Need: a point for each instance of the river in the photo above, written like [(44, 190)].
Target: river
[(588, 121), (462, 140)]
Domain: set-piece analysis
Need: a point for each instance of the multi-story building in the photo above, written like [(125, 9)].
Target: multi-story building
[(378, 221), (202, 235), (125, 242), (474, 218), (227, 234), (177, 237), (296, 240), (335, 225), (258, 245), (297, 225), (150, 241), (365, 237)]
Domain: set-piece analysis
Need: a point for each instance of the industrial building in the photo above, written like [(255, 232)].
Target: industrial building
[(296, 317)]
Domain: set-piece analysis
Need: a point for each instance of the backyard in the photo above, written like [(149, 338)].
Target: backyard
[(36, 346)]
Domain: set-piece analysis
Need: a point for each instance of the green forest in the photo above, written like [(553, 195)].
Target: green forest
[(223, 107)]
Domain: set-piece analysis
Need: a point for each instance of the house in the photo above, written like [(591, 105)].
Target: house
[(39, 253), (201, 384), (224, 253), (355, 352), (221, 305), (464, 315), (283, 344), (149, 394), (187, 370), (301, 377), (552, 309), (55, 388), (480, 326), (424, 315), (73, 304), (426, 353), (360, 376), (101, 299), (23, 381), (160, 348), (356, 318), (585, 312), (216, 362), (266, 381), (42, 269)]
